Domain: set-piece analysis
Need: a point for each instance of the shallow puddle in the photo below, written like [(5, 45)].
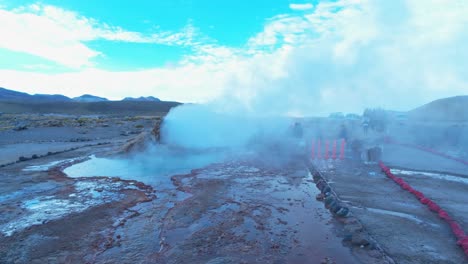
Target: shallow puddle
[(153, 167)]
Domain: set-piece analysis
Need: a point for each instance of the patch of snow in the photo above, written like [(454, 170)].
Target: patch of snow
[(402, 215), (47, 166), (46, 208), (439, 176)]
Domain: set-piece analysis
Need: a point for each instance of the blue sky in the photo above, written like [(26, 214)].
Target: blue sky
[(231, 24), (284, 56)]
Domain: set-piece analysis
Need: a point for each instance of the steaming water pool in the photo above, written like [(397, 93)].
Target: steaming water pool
[(153, 168)]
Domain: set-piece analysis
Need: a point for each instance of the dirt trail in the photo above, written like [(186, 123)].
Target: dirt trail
[(404, 228)]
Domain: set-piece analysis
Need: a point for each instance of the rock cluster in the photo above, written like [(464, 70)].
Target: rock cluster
[(326, 195), (353, 230), (141, 142)]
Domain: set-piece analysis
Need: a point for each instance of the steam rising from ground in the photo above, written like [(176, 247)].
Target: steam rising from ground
[(338, 56), (202, 126)]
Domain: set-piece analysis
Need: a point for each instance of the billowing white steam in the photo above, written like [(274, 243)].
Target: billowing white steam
[(202, 126)]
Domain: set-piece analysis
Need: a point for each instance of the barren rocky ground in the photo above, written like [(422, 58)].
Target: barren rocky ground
[(227, 213)]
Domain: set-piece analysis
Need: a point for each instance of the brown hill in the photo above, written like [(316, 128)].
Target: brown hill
[(452, 109)]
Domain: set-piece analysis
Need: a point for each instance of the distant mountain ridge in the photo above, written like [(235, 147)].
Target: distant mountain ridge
[(142, 99), (90, 98), (14, 102), (15, 96), (10, 95)]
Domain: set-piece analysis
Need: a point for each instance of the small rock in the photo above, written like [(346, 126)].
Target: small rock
[(353, 228), (347, 238), (327, 260), (329, 199), (375, 253), (331, 204), (343, 212), (20, 127), (22, 158), (320, 197), (372, 246), (349, 221), (326, 189), (359, 239)]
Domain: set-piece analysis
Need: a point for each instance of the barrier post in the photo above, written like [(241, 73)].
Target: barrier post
[(319, 149), (326, 149), (334, 150), (343, 142), (313, 150)]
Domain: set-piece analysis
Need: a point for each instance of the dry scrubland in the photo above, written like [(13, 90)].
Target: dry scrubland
[(24, 136), (113, 108)]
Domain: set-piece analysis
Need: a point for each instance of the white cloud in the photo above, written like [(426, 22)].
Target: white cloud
[(42, 37), (58, 35), (301, 6), (282, 29), (346, 55), (188, 83), (340, 56)]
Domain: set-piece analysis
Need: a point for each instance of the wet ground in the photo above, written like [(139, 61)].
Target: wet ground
[(112, 209), (49, 218), (236, 212), (242, 212), (46, 216)]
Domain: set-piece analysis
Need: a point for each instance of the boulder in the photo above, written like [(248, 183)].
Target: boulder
[(20, 127), (359, 239), (353, 228), (139, 143), (374, 154), (157, 129)]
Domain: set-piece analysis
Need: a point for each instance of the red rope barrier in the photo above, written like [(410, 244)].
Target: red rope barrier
[(343, 142), (319, 150), (313, 150), (456, 229)]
